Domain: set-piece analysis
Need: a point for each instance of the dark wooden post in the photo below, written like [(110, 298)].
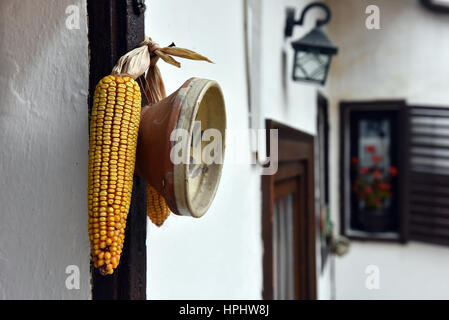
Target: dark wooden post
[(115, 27)]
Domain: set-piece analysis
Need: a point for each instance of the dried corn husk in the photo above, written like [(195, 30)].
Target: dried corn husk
[(143, 60)]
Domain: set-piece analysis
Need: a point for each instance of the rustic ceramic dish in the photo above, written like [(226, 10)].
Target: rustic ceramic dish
[(188, 187)]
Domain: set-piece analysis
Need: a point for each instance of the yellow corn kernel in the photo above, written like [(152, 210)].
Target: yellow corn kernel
[(157, 208), (107, 148)]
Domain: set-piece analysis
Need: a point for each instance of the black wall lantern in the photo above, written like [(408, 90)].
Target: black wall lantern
[(314, 51)]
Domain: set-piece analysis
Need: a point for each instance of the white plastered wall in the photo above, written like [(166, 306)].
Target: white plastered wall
[(219, 256), (43, 157)]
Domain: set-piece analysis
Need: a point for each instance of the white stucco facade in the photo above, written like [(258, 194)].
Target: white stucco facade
[(44, 141), (219, 256)]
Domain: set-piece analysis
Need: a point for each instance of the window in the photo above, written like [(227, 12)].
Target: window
[(414, 140), (373, 170), (283, 241), (288, 218)]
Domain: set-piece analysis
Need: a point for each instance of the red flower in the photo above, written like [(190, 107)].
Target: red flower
[(355, 160), (393, 171), (384, 186), (376, 159), (377, 174), (368, 190), (370, 149), (364, 170)]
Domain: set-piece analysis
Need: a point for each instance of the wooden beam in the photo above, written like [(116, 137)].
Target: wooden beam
[(115, 27)]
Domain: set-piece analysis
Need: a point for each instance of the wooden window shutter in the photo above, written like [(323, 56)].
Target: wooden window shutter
[(428, 178)]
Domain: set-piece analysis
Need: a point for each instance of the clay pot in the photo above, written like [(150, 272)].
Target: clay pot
[(188, 187), (376, 220)]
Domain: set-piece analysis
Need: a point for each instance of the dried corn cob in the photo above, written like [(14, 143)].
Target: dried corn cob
[(112, 150), (157, 209)]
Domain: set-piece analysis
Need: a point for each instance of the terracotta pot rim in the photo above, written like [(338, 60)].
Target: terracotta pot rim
[(195, 90)]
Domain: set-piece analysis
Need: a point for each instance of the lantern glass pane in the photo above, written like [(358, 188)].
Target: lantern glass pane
[(311, 65)]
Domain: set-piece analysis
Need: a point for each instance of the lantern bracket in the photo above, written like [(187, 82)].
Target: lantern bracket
[(291, 21)]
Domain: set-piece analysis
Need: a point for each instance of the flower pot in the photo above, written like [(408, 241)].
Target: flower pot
[(376, 220), (188, 188)]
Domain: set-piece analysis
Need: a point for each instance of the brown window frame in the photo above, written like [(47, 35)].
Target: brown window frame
[(402, 153), (295, 161)]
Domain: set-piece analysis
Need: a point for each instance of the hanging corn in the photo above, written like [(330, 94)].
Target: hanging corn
[(114, 129), (113, 139)]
